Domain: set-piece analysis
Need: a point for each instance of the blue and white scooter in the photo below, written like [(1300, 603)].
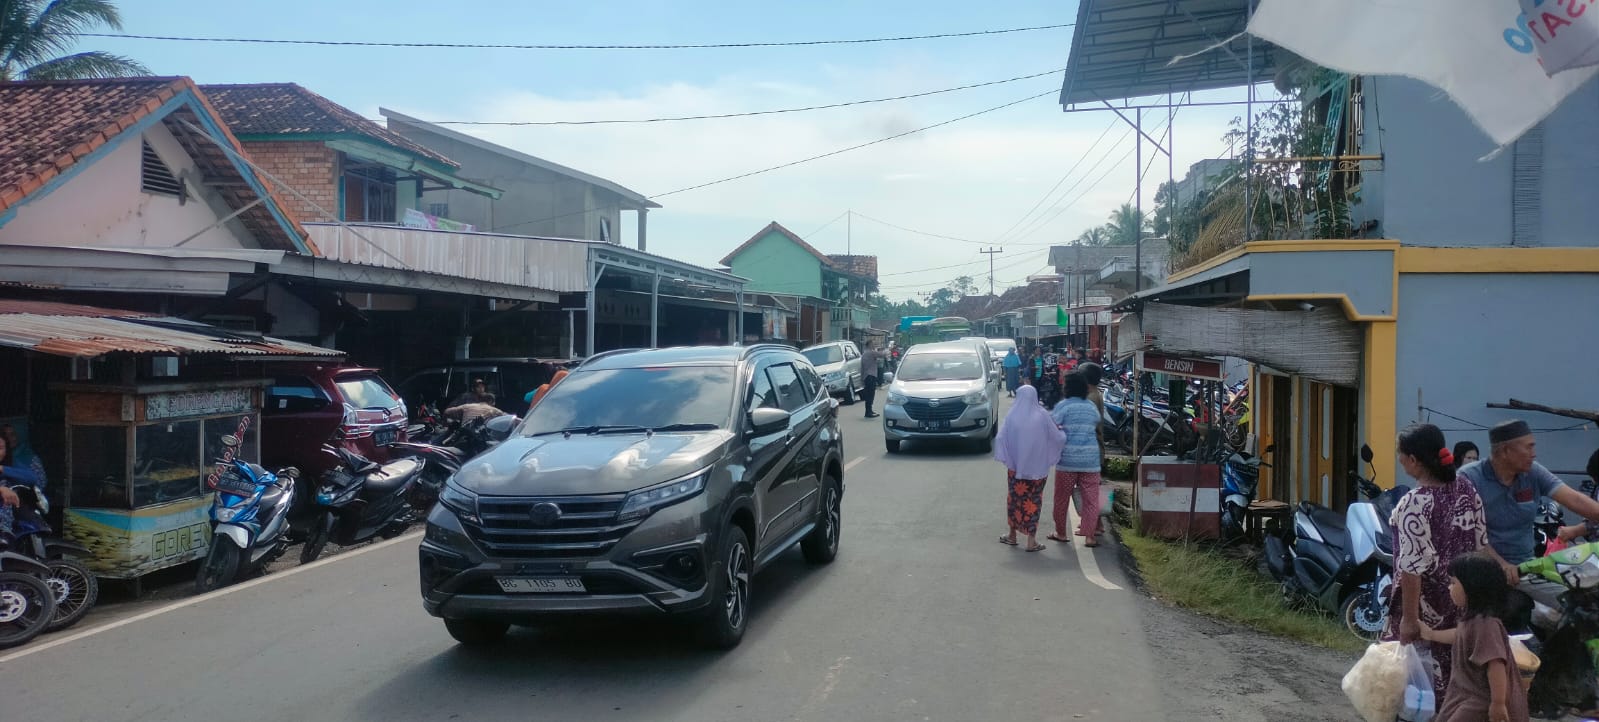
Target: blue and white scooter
[(249, 518)]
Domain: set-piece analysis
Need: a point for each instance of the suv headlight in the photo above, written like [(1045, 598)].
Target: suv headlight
[(644, 502), (896, 398), (460, 501), (975, 397)]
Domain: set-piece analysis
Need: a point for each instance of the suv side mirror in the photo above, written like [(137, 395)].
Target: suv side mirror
[(766, 420), (1365, 453), (888, 377)]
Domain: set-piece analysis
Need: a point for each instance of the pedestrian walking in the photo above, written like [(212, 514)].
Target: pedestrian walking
[(1077, 468), (1442, 518), (870, 361), (1028, 444), (1013, 371)]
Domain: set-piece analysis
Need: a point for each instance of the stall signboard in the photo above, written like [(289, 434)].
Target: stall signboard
[(1194, 368), (129, 544), (214, 402)]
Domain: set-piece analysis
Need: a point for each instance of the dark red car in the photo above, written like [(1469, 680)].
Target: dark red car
[(309, 405)]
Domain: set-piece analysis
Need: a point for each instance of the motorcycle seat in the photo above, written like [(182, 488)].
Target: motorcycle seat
[(391, 476)]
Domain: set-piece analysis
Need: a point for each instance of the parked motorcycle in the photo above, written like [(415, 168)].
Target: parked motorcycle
[(27, 604), (1568, 652), (1343, 566), (249, 518), (75, 587), (445, 456), (360, 500), (1240, 479)]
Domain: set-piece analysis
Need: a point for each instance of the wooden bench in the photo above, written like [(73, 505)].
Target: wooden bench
[(1260, 511)]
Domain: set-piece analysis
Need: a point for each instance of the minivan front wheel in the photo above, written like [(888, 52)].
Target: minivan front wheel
[(728, 614)]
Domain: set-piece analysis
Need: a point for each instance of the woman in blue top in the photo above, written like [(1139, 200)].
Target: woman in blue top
[(1013, 371), (1078, 469)]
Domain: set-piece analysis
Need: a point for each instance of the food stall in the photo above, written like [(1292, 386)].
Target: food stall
[(137, 462)]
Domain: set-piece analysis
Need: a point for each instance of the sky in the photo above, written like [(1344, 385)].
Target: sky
[(980, 182)]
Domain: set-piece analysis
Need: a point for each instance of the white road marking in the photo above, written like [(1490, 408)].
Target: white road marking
[(824, 690), (191, 601), (852, 464), (1085, 557)]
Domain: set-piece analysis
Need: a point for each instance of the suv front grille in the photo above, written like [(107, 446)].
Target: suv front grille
[(587, 526), (927, 410)]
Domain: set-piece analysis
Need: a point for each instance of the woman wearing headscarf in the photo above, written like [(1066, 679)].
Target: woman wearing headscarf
[(1029, 445), (1013, 371)]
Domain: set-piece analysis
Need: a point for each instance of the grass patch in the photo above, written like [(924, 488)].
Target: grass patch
[(1218, 586)]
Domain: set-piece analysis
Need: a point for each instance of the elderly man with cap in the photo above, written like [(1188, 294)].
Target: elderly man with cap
[(1510, 482)]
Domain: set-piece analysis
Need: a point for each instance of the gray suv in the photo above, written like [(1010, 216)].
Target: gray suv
[(646, 482)]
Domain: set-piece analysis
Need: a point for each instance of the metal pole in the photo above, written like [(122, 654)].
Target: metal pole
[(643, 228), (595, 271), (655, 306), (739, 324), (1138, 198), (1249, 127)]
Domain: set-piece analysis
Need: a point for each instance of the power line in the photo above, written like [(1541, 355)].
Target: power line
[(913, 230), (826, 225), (1039, 225), (748, 114), (854, 147), (1063, 178), (511, 46)]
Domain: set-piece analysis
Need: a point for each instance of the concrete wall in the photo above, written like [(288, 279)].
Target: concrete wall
[(1468, 339), (537, 202), (309, 167), (1366, 276), (1433, 191), (102, 205), (775, 265)]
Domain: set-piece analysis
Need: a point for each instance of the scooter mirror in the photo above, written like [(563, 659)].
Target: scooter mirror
[(230, 440), (1365, 453)]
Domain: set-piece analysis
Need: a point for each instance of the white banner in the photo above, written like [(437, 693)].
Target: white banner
[(1482, 53), (1565, 35)]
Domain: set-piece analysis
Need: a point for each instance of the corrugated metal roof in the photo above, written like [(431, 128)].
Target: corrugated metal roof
[(81, 334), (550, 264), (1124, 48)]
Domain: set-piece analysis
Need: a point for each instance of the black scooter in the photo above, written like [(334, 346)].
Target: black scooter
[(454, 448), (75, 587), (360, 500)]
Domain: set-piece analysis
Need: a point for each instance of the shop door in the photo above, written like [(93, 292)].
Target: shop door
[(1282, 420)]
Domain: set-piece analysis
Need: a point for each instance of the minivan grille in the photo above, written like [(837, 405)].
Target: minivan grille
[(587, 526), (935, 409)]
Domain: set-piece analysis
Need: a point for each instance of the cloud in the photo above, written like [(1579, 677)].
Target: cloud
[(971, 180)]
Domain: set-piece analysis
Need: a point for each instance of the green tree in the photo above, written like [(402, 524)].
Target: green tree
[(1127, 225), (939, 302), (1096, 236), (37, 35)]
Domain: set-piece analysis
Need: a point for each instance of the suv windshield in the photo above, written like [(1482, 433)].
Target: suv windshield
[(940, 367), (366, 392), (824, 355), (644, 397)]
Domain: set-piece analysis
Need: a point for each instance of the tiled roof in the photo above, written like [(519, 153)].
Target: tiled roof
[(288, 109), (790, 235), (863, 266), (47, 127)]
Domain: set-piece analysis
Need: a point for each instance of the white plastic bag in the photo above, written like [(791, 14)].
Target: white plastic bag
[(1421, 702), (1376, 684)]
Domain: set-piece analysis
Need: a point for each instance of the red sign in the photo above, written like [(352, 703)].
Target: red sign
[(1194, 368)]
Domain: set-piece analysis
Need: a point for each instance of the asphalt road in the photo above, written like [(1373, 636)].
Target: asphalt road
[(922, 617)]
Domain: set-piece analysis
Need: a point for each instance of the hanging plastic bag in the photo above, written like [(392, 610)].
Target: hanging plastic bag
[(1421, 702), (1376, 684)]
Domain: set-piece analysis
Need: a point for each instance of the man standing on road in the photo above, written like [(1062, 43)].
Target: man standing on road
[(869, 363), (1510, 481)]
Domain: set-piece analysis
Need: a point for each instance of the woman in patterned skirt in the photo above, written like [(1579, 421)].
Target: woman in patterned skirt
[(1028, 445), (1440, 519)]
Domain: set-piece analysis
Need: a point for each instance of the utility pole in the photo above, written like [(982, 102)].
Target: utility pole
[(849, 233), (990, 252)]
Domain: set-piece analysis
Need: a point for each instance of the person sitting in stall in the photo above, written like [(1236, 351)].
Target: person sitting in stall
[(11, 474)]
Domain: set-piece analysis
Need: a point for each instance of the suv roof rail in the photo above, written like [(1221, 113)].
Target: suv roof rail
[(608, 354), (753, 348)]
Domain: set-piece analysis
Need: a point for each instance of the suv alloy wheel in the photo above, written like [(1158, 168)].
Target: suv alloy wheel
[(821, 545), (728, 616)]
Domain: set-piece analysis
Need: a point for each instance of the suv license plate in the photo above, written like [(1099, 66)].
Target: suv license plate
[(935, 426), (540, 585), (384, 437)]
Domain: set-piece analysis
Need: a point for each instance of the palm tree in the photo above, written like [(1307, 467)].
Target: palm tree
[(1096, 236), (1127, 225), (35, 34)]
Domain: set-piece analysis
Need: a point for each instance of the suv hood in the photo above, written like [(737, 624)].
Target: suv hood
[(602, 464), (937, 389)]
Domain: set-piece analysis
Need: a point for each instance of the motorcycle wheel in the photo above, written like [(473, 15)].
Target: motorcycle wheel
[(220, 566), (316, 539), (27, 606), (76, 590), (1358, 617)]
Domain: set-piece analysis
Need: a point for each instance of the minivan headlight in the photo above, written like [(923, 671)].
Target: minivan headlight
[(896, 398), (645, 502), (976, 397), (460, 501)]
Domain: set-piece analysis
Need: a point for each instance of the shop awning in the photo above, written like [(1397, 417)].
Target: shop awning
[(1320, 343), (89, 332), (1124, 49)]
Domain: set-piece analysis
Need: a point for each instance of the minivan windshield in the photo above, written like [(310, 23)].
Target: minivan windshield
[(953, 366), (366, 392), (824, 355), (651, 398)]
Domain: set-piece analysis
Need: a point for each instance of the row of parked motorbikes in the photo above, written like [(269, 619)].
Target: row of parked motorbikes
[(256, 515)]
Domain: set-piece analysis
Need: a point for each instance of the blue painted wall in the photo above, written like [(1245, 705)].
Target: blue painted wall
[(1366, 276), (1432, 189), (1467, 339)]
